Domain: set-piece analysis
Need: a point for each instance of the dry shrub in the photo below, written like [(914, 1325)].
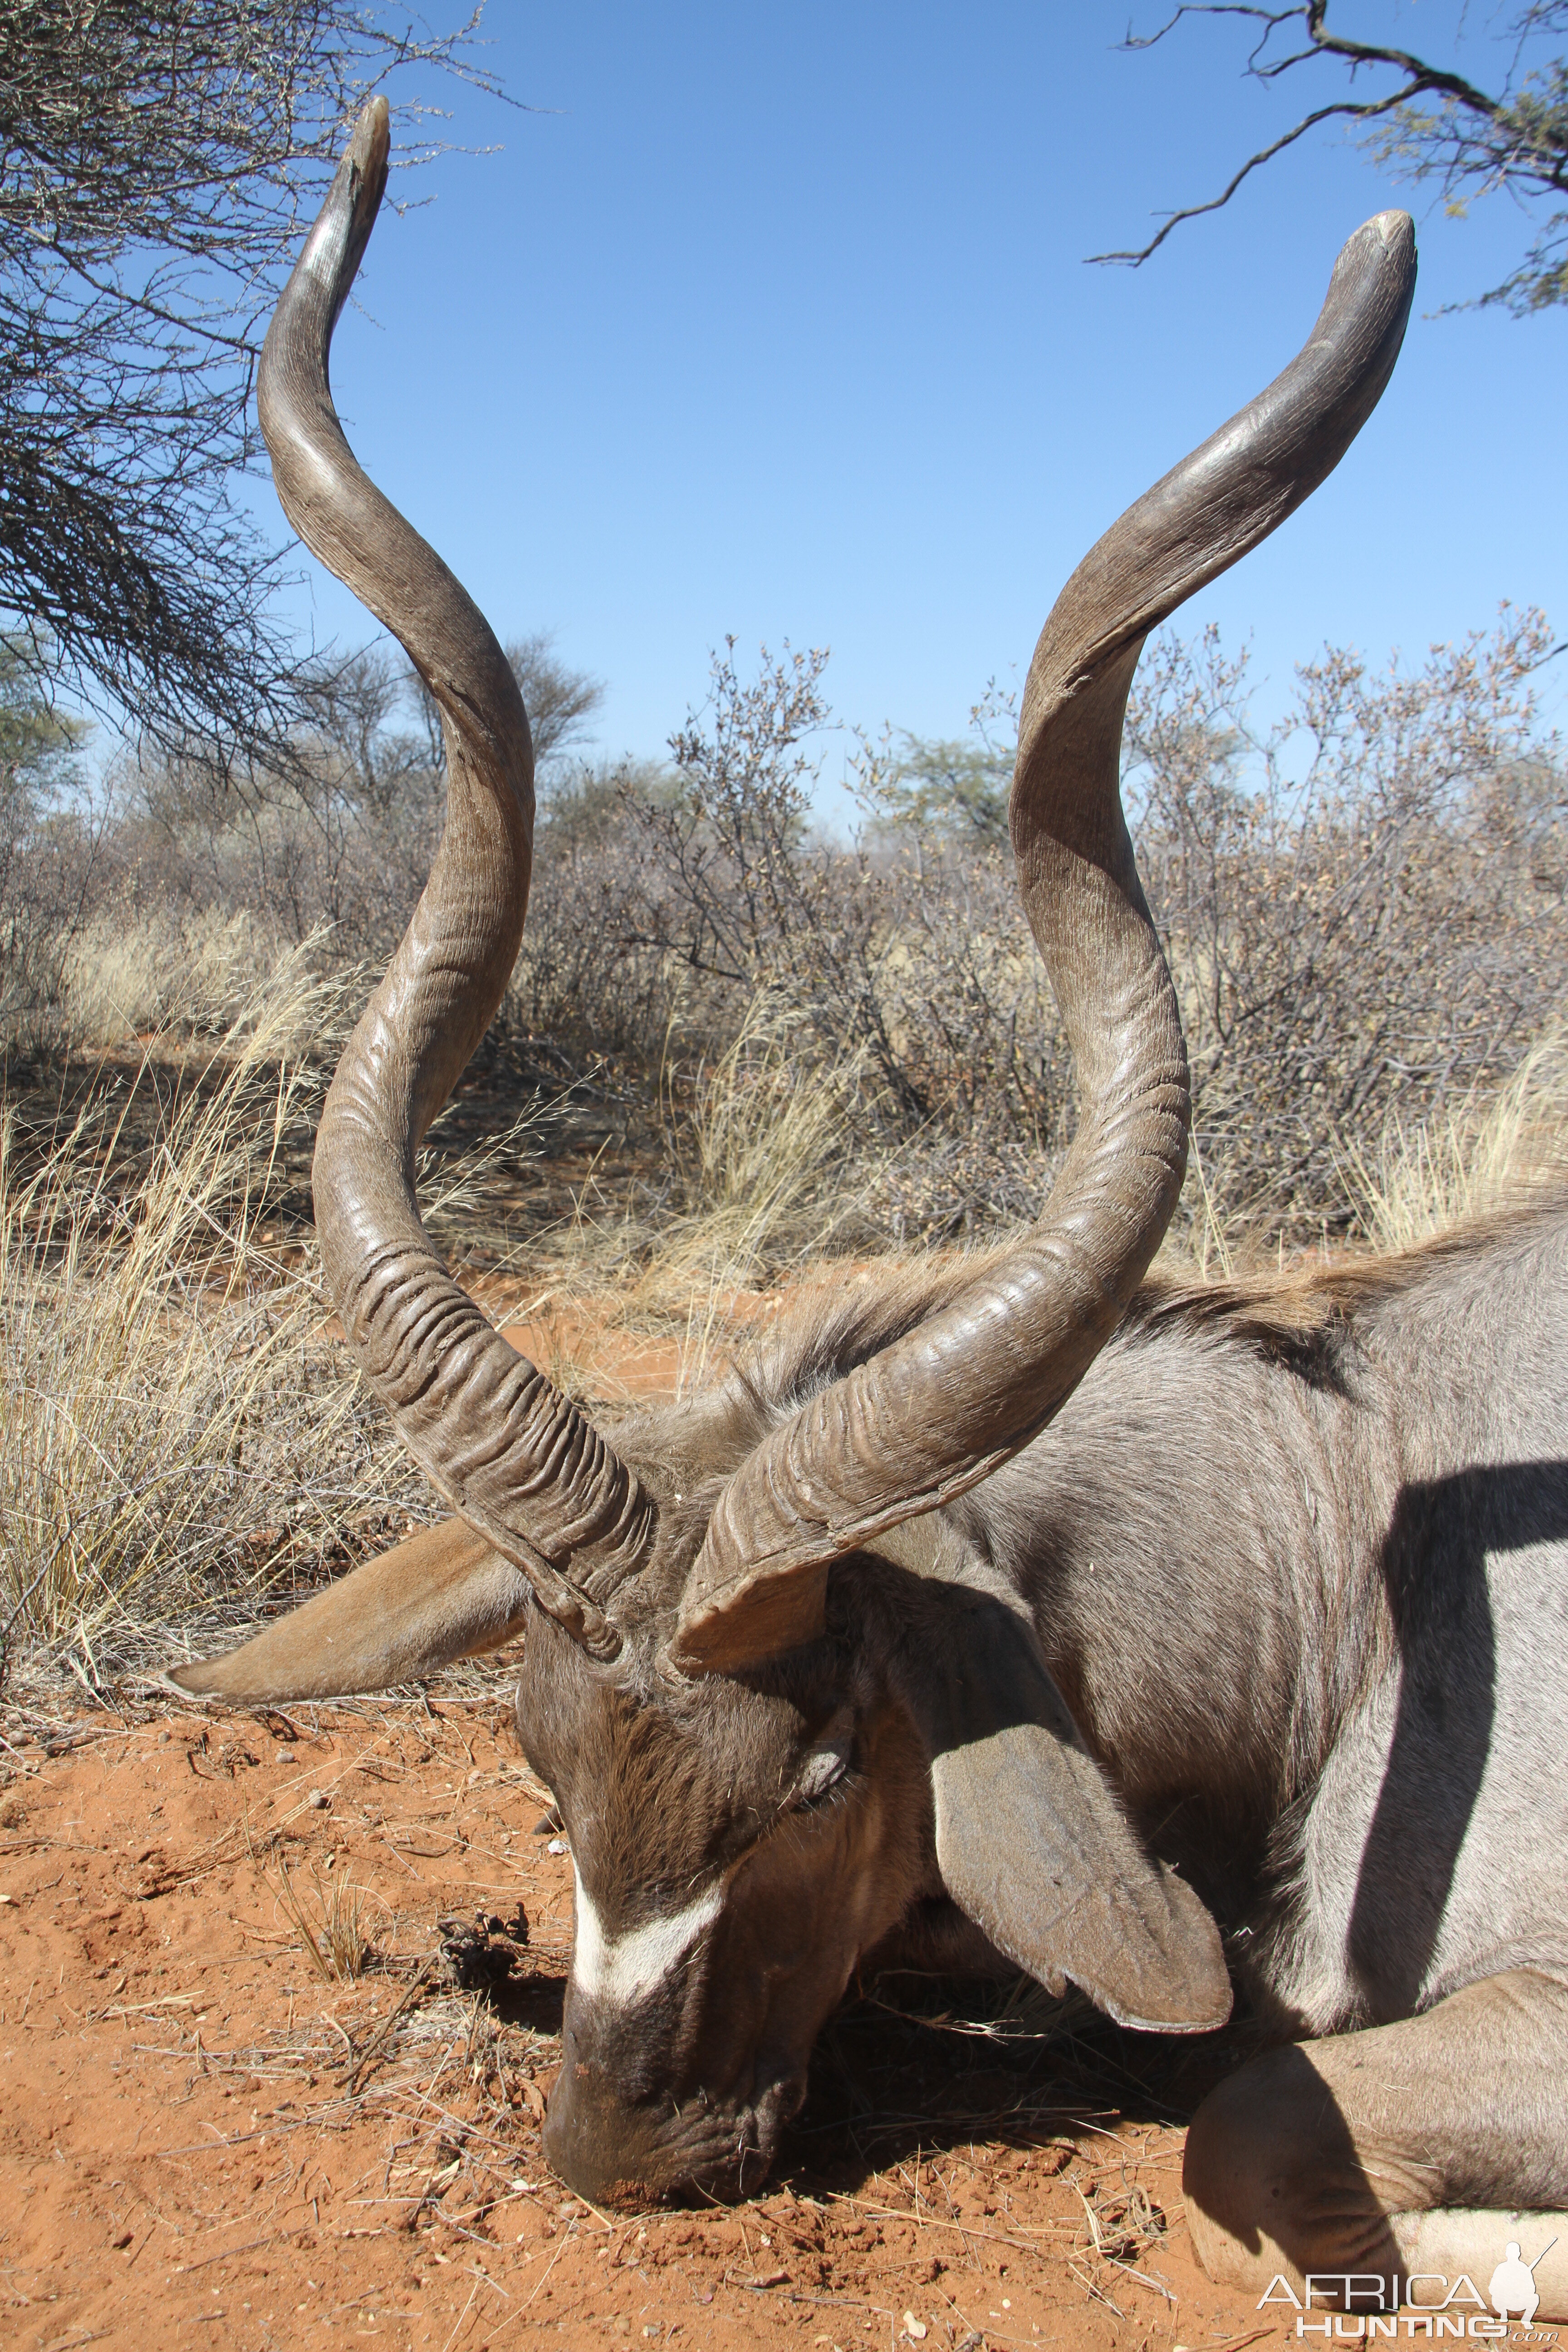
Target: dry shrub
[(595, 981), (1374, 938), (988, 1092), (1365, 910)]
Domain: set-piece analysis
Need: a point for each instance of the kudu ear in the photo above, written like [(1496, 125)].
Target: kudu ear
[(1031, 1840), (443, 1594)]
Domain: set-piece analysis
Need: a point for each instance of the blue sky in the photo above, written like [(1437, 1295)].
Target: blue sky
[(776, 322)]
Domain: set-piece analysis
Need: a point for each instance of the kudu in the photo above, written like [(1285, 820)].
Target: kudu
[(1021, 1615)]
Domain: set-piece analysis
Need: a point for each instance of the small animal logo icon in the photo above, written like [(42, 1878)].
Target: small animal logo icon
[(1512, 2287)]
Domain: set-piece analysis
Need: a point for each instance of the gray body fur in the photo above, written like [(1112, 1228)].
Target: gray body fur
[(1305, 1588)]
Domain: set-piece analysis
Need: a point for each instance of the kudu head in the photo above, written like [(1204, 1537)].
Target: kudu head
[(784, 1703)]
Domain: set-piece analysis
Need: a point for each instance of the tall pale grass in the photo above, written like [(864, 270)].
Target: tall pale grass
[(1487, 1150), (159, 973), (767, 1170), (776, 1175), (178, 1433), (171, 1421), (772, 1147)]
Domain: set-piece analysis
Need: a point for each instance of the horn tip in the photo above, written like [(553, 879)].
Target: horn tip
[(371, 136), (1388, 240), (1396, 222)]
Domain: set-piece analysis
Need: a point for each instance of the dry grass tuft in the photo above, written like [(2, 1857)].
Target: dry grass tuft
[(168, 973), (172, 1423), (769, 1140), (771, 1172), (1483, 1153), (330, 1928), (773, 1176)]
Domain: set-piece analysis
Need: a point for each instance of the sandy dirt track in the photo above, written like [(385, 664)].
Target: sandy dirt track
[(204, 2142)]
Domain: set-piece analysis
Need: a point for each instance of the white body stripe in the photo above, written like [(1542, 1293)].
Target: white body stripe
[(621, 1968)]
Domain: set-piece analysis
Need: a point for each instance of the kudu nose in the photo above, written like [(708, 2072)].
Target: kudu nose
[(616, 2154), (596, 2146)]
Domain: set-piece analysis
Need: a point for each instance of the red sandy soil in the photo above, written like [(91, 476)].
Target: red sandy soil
[(617, 1365), (203, 2141)]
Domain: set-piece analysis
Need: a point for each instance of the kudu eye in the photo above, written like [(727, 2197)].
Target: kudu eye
[(825, 1763)]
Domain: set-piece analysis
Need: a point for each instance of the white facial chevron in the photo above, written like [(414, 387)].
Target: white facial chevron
[(621, 1968)]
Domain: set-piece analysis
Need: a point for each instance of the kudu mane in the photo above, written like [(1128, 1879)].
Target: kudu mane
[(1303, 1317)]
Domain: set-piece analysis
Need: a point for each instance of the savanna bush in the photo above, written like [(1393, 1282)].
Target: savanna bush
[(1363, 905)]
